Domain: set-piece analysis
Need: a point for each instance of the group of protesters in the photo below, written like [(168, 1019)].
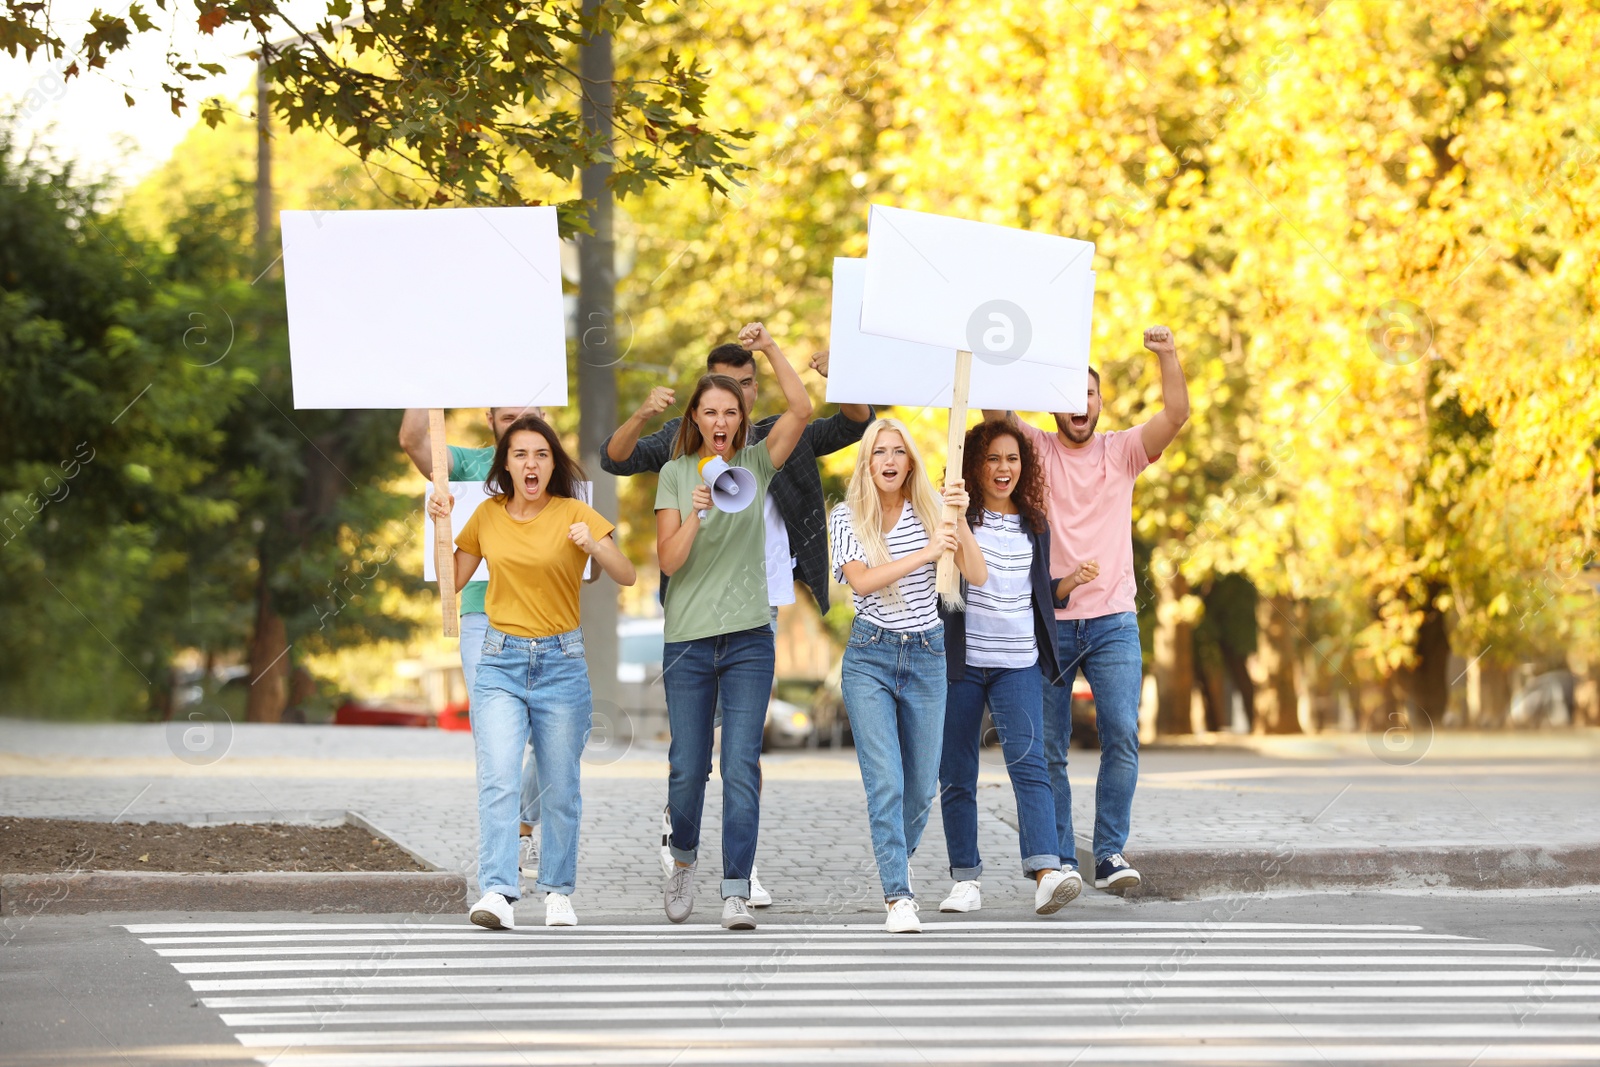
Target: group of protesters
[(1039, 525)]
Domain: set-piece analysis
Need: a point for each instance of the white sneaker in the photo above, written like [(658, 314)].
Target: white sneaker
[(493, 912), (1056, 890), (558, 910), (667, 862), (759, 897), (678, 894), (964, 896), (528, 857), (903, 918), (736, 914)]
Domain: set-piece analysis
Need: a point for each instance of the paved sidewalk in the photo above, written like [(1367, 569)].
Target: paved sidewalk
[(1310, 802)]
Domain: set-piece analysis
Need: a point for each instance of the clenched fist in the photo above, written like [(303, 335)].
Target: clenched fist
[(659, 400), (578, 533), (1158, 339), (755, 338)]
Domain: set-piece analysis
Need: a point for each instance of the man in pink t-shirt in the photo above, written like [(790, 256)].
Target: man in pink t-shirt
[(1090, 477)]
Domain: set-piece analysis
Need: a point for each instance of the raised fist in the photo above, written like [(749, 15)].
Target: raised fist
[(755, 338), (1158, 339), (659, 400)]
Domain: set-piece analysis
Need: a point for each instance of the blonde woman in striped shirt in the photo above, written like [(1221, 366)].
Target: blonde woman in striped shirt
[(893, 674)]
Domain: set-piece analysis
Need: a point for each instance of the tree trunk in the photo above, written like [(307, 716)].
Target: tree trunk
[(1274, 668), (1585, 690), (1238, 668), (1427, 684), (1488, 694), (599, 351), (1172, 660), (269, 661), (1212, 682)]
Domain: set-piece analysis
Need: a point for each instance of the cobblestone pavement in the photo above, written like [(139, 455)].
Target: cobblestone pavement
[(815, 852)]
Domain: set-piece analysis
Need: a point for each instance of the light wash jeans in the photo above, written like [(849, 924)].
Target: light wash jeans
[(538, 687), (1016, 701), (733, 671), (894, 693), (474, 625), (1106, 650)]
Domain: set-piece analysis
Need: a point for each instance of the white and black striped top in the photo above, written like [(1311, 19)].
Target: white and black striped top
[(1000, 611), (920, 610)]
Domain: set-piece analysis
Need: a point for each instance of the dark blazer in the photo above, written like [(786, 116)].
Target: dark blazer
[(796, 488), (1044, 617)]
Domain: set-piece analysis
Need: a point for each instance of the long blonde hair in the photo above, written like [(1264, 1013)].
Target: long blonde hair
[(866, 510)]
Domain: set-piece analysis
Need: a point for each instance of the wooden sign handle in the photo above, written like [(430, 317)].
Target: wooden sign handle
[(444, 547), (948, 579)]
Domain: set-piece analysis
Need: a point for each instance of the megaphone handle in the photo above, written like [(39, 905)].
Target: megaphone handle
[(704, 515)]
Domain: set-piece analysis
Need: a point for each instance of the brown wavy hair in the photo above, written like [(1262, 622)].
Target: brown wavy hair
[(689, 440), (1028, 494), (563, 477)]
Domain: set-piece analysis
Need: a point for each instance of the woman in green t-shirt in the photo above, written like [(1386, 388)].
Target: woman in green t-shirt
[(719, 639)]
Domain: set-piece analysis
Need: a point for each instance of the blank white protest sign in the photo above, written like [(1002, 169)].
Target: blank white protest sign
[(867, 369), (425, 309), (1009, 294)]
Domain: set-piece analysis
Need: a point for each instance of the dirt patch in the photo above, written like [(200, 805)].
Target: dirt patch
[(36, 846)]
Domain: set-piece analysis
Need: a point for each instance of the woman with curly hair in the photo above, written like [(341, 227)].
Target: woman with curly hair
[(1001, 651)]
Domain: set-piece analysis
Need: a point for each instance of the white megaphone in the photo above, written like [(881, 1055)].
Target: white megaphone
[(732, 488)]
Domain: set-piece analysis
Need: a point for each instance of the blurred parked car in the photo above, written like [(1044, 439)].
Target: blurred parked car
[(788, 726)]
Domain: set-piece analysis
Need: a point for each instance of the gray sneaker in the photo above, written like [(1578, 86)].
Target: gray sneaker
[(679, 894), (736, 914)]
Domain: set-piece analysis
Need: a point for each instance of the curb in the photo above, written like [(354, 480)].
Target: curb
[(354, 892), (1177, 874)]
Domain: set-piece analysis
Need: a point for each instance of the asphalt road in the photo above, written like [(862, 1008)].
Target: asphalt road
[(1449, 978)]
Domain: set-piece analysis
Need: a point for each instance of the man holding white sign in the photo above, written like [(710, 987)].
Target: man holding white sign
[(472, 464), (1091, 477)]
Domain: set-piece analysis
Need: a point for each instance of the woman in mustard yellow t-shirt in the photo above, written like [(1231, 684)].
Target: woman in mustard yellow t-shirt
[(532, 679)]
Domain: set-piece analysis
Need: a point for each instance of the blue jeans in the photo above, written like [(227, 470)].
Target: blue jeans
[(1016, 701), (530, 687), (474, 626), (733, 671), (1106, 649), (894, 691)]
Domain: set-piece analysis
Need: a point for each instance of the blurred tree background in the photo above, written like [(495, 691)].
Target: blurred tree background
[(1373, 228)]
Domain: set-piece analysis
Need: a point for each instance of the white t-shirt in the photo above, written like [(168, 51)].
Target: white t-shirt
[(920, 596), (780, 561), (1000, 611)]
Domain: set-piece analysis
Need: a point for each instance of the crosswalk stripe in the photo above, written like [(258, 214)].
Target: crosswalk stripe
[(726, 963), (953, 930), (840, 1056), (413, 995), (1333, 984), (757, 1033), (1471, 1002), (754, 1014), (733, 953), (1283, 929)]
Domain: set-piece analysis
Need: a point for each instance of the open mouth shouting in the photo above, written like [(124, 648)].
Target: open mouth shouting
[(530, 484), (719, 441), (1002, 484)]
